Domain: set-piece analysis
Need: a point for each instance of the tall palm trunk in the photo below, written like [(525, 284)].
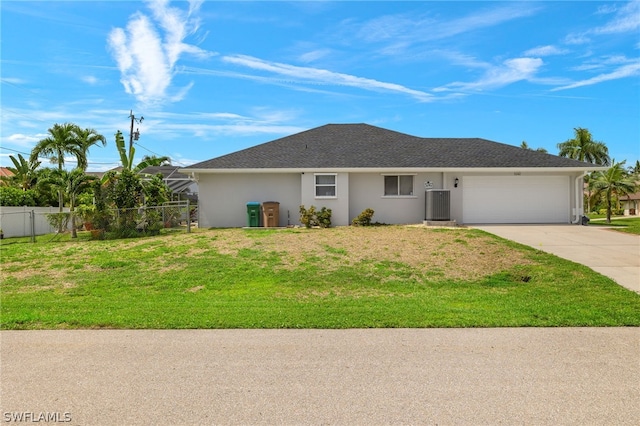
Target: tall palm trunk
[(60, 201)]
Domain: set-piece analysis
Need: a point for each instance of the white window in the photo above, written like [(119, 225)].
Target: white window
[(325, 185), (398, 185)]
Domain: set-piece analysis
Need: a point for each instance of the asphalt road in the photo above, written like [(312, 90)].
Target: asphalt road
[(533, 376)]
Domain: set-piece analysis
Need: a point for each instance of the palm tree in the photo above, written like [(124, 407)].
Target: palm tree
[(72, 183), (613, 182), (583, 148), (126, 158), (24, 172), (525, 145), (154, 160), (62, 139), (88, 138)]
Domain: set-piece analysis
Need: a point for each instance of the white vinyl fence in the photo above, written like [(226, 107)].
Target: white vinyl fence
[(26, 221)]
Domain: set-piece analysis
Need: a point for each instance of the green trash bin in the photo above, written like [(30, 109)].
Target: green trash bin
[(253, 214)]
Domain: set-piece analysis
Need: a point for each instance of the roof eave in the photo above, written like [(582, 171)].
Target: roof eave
[(388, 169)]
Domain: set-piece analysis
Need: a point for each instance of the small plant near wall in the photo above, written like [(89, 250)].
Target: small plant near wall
[(59, 221), (324, 217), (312, 218), (364, 218)]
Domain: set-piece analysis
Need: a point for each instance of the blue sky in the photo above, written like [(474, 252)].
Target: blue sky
[(214, 77)]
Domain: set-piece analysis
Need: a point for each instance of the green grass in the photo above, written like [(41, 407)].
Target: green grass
[(629, 225), (199, 280)]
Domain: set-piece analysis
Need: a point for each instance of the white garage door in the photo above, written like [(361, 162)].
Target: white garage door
[(515, 199)]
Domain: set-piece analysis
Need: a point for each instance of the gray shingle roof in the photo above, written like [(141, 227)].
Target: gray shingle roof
[(366, 146)]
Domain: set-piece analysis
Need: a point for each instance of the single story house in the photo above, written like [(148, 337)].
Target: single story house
[(5, 173), (405, 179), (631, 204)]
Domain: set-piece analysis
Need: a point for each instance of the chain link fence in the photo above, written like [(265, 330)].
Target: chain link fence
[(114, 223)]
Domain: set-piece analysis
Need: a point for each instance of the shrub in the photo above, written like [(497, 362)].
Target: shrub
[(364, 218), (59, 221), (324, 218), (11, 196), (310, 217)]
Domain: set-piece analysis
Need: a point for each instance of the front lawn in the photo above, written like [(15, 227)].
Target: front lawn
[(346, 277), (629, 225)]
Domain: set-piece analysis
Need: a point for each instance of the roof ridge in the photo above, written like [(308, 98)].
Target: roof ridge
[(362, 145)]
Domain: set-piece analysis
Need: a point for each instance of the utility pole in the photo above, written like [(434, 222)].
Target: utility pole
[(134, 135)]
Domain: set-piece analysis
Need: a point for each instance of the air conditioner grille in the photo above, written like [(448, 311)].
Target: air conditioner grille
[(438, 202)]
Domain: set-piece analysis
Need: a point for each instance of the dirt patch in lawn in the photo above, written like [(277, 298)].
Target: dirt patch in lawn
[(456, 253), (417, 251)]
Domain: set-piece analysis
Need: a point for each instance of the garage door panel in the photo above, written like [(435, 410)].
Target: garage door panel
[(515, 199)]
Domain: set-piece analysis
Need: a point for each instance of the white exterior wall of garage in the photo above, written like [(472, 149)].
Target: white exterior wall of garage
[(516, 199)]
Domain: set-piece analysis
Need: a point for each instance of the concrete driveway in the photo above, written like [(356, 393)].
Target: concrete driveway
[(611, 253), (508, 376)]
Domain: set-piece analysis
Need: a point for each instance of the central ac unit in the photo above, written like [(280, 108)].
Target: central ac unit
[(437, 204)]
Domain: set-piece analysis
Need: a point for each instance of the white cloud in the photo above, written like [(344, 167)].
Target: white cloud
[(314, 55), (25, 140), (89, 79), (147, 56), (603, 62), (627, 19), (511, 71), (606, 9), (13, 80), (624, 71), (422, 28), (545, 51), (574, 39), (307, 75)]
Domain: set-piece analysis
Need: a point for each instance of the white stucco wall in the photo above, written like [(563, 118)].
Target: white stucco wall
[(367, 191), (339, 205), (223, 198)]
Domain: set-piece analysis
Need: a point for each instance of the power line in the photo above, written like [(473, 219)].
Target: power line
[(158, 155), (14, 150), (133, 136)]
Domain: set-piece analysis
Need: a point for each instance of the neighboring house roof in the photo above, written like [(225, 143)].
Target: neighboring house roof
[(630, 197), (365, 146), (99, 175), (5, 172), (176, 181)]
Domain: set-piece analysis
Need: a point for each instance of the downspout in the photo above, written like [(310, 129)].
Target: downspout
[(579, 190)]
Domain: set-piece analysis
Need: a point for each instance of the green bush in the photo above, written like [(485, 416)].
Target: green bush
[(614, 212), (59, 221), (324, 217), (310, 217), (11, 196), (364, 218)]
